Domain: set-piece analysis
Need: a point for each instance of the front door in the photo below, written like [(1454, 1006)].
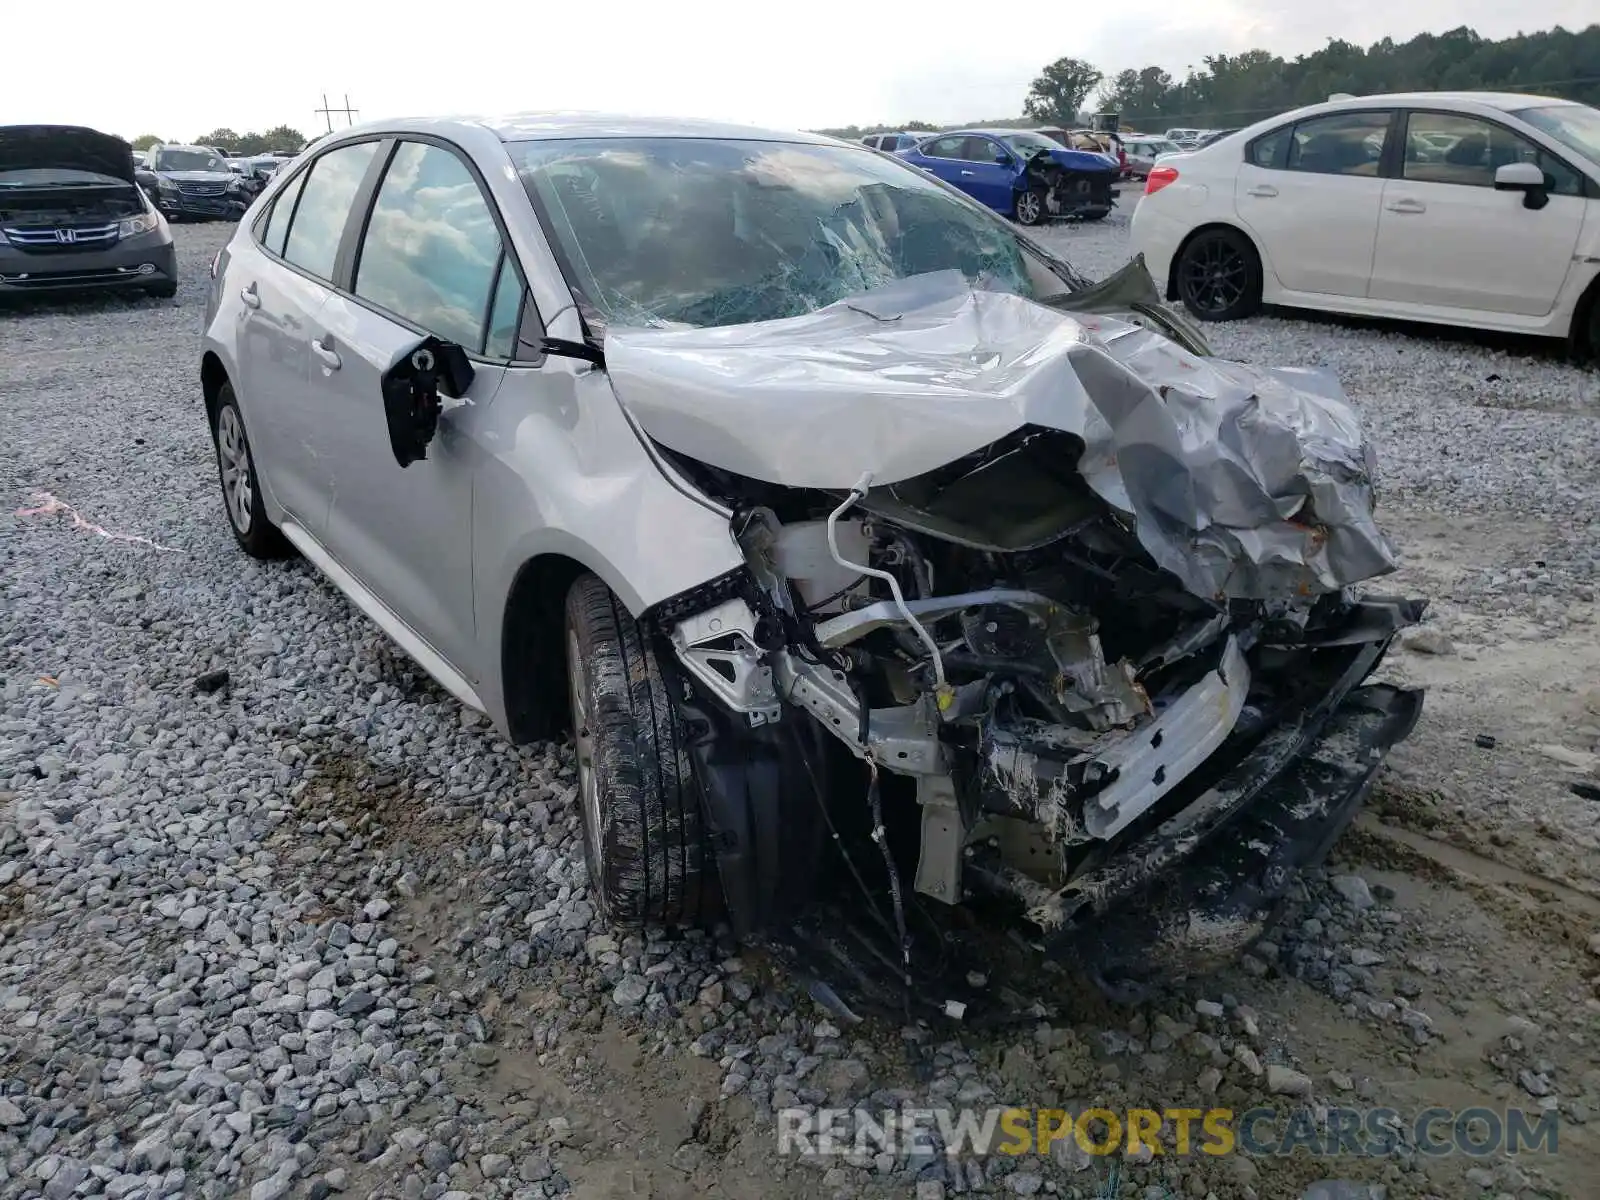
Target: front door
[(1446, 238), (429, 262)]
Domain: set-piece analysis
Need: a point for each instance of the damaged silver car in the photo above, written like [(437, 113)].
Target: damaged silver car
[(896, 585)]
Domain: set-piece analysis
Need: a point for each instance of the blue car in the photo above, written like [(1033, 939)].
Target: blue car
[(1020, 173)]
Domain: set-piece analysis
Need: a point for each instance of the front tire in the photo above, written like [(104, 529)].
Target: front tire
[(1219, 276), (643, 835), (241, 486), (1029, 207)]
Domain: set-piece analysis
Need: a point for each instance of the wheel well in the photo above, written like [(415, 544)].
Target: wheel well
[(1584, 338), (1171, 285), (532, 656), (212, 376)]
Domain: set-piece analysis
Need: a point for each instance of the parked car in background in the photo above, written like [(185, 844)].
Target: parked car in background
[(788, 481), (1143, 150), (194, 183), (891, 142), (1021, 173), (1210, 136), (72, 216), (1184, 137), (1462, 208)]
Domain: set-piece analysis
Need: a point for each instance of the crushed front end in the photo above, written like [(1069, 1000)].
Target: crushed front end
[(1081, 186), (1107, 672)]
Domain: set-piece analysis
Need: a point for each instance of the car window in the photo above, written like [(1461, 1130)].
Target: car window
[(1268, 149), (325, 198), (431, 245), (1467, 151), (1345, 143), (949, 147), (505, 313), (871, 143), (980, 150), (282, 210)]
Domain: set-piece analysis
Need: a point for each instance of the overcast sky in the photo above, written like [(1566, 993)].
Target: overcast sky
[(181, 68)]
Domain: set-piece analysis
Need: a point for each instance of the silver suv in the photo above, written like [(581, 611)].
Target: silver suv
[(870, 555)]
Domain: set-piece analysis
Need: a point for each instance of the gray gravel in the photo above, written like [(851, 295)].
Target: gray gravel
[(318, 929)]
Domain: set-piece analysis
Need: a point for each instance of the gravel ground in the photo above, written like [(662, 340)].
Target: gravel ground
[(317, 929)]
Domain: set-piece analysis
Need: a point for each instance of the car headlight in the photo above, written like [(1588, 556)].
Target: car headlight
[(233, 185), (166, 185), (143, 223)]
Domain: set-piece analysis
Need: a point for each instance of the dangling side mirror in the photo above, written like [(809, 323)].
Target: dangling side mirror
[(411, 391)]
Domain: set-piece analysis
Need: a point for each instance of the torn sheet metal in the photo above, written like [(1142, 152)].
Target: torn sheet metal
[(1242, 481)]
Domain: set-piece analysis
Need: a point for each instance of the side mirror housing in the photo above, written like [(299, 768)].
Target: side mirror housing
[(411, 392), (1524, 177)]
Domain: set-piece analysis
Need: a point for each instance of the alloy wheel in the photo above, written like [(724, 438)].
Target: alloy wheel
[(583, 748), (1214, 275), (1028, 207), (233, 457)]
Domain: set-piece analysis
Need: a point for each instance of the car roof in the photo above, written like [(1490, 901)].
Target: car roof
[(1505, 101), (556, 125)]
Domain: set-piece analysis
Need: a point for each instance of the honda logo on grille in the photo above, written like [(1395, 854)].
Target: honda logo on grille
[(66, 235)]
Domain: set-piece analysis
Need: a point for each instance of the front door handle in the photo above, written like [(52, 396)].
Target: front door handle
[(967, 172), (328, 355), (249, 295), (1406, 205), (1264, 190)]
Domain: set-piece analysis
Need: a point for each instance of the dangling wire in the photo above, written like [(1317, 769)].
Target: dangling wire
[(880, 836)]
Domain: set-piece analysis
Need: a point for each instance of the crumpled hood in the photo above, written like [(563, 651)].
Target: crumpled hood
[(65, 147), (1084, 160), (1242, 481)]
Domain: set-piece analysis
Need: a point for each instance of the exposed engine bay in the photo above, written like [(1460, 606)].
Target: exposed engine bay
[(1062, 660), (65, 205), (1067, 189)]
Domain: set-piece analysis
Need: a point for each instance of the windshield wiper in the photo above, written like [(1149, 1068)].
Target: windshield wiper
[(588, 350)]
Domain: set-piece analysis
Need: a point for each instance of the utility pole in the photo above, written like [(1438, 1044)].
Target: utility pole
[(326, 112)]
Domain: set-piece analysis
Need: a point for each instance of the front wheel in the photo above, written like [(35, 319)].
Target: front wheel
[(1030, 206), (643, 836), (1219, 276)]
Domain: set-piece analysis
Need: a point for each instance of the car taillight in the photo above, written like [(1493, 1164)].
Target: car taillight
[(1158, 178)]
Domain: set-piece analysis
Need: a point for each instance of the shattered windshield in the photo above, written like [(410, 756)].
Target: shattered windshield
[(706, 232), (1029, 143), (189, 160)]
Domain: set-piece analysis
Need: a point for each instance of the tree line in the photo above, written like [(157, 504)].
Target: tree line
[(279, 137), (1234, 90)]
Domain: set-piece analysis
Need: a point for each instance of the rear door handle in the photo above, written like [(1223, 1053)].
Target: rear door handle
[(966, 172), (249, 295), (328, 355), (1264, 190), (1406, 205)]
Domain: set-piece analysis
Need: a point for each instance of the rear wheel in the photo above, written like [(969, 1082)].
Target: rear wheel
[(643, 835), (1030, 206), (1219, 275), (241, 488)]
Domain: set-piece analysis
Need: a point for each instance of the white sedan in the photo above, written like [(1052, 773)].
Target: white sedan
[(1462, 208)]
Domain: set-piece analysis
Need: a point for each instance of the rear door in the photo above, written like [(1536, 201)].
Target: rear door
[(1310, 193), (429, 260), (1447, 238), (282, 289)]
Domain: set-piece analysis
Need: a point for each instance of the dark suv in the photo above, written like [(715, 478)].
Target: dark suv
[(193, 183), (71, 215)]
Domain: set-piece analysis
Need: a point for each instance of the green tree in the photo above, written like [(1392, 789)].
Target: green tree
[(282, 137), (1060, 90), (224, 137), (145, 140)]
